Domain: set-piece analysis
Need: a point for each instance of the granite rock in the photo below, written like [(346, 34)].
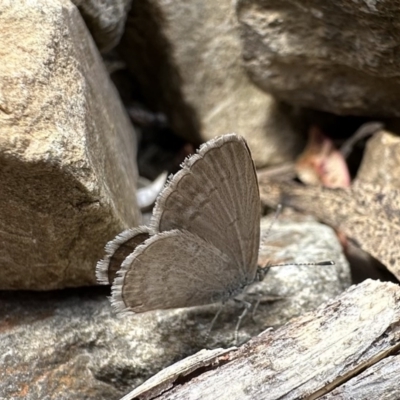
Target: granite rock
[(105, 20), (67, 149), (187, 59), (339, 56)]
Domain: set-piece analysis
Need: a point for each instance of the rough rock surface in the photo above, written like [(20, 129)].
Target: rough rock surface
[(339, 56), (381, 161), (105, 20), (187, 58), (67, 149), (71, 345)]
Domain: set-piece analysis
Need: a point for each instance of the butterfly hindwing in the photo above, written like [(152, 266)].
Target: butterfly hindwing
[(117, 250), (171, 270)]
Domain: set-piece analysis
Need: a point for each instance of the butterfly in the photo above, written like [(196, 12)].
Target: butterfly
[(202, 243)]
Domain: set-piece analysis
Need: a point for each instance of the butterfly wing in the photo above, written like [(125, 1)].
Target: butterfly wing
[(116, 252), (171, 270), (215, 196)]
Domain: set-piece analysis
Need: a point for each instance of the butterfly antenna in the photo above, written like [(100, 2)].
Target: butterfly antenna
[(323, 263), (261, 272)]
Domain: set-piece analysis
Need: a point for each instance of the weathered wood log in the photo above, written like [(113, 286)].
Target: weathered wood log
[(325, 351), (367, 213), (380, 381), (166, 379)]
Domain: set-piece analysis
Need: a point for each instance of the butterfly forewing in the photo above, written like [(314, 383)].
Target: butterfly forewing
[(215, 196), (171, 270)]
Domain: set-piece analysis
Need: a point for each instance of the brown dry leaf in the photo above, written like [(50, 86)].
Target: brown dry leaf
[(321, 163), (369, 214)]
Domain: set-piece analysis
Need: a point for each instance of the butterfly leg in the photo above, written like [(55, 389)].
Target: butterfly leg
[(247, 307), (214, 320), (253, 313)]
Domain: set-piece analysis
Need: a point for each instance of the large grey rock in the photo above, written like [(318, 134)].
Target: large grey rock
[(67, 149), (337, 56), (70, 345), (105, 20), (187, 58)]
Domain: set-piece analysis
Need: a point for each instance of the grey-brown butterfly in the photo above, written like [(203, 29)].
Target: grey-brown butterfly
[(202, 243)]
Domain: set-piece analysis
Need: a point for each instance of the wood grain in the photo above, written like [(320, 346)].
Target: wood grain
[(307, 358)]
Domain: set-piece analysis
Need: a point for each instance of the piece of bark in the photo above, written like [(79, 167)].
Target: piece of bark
[(308, 357), (380, 381), (368, 214), (165, 379)]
